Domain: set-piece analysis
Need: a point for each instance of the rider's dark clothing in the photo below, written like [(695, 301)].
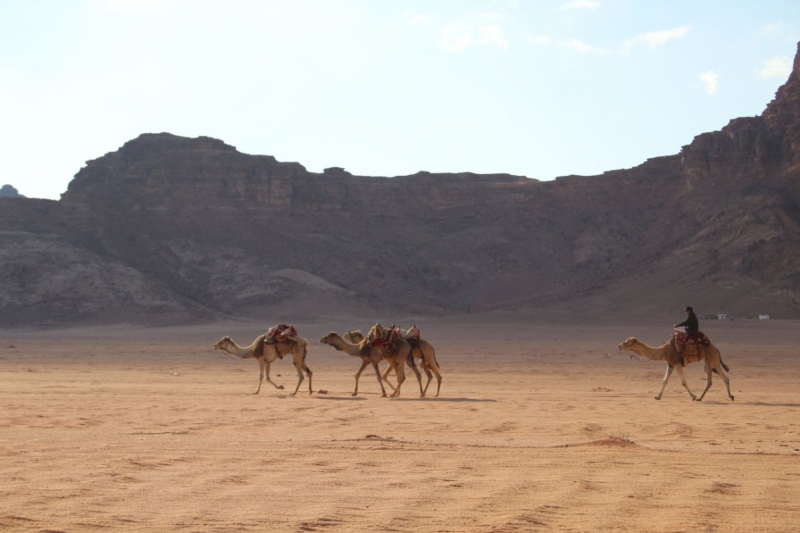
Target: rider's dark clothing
[(691, 324)]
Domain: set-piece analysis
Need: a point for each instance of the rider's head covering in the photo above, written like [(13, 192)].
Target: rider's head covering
[(688, 308)]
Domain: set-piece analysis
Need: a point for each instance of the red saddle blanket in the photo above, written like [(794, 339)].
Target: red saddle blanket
[(281, 331), (684, 339), (388, 337)]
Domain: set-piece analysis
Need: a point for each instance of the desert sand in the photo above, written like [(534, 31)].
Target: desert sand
[(540, 426)]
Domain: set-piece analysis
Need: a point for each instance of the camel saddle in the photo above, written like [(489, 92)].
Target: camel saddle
[(689, 346), (384, 337), (281, 333)]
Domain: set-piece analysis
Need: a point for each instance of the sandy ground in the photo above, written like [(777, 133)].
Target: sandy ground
[(540, 427)]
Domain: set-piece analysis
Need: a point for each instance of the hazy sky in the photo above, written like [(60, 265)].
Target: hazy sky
[(390, 87)]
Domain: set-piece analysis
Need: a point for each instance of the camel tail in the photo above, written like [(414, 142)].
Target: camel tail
[(721, 362), (438, 367)]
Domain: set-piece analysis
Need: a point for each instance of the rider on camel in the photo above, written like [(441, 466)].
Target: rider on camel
[(691, 324)]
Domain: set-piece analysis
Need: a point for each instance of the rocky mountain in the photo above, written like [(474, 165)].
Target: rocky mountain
[(7, 191), (172, 228)]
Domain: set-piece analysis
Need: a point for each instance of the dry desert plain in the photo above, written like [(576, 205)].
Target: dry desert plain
[(540, 426)]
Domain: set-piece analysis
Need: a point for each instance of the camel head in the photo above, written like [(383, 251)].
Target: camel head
[(354, 336), (330, 338), (628, 344), (223, 343)]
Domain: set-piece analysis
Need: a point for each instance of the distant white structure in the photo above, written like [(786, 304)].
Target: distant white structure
[(763, 317), (724, 316)]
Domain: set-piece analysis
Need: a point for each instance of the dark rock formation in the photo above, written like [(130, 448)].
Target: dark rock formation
[(7, 191), (174, 227)]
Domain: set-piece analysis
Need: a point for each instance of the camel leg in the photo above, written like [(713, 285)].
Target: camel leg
[(378, 373), (683, 382), (280, 387), (666, 379), (708, 381), (358, 375), (261, 365), (438, 381), (727, 381), (308, 373), (419, 379), (435, 370), (427, 373), (385, 377), (399, 367), (299, 367)]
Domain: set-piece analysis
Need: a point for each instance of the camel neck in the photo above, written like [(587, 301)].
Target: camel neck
[(234, 349), (654, 354), (344, 346)]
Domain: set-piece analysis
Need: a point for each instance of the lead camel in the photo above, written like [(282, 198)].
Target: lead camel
[(266, 354)]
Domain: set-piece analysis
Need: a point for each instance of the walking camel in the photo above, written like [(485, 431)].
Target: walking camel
[(267, 354), (374, 355), (669, 354), (423, 351)]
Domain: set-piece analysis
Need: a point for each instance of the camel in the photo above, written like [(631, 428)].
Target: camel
[(669, 354), (423, 351), (374, 355), (267, 354)]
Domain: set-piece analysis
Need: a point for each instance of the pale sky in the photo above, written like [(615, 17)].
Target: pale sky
[(384, 88)]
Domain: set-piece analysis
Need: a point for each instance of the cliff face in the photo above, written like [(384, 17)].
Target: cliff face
[(175, 227), (752, 146)]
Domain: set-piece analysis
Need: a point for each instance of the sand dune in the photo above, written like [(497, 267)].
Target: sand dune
[(544, 427)]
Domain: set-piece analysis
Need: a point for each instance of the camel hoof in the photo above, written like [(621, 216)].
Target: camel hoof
[(253, 393), (280, 387), (731, 398), (657, 398), (697, 399), (354, 394)]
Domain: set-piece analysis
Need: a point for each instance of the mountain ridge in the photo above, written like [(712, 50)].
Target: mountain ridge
[(173, 228)]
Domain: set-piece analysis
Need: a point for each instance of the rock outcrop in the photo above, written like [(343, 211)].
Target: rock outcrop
[(7, 191), (172, 228)]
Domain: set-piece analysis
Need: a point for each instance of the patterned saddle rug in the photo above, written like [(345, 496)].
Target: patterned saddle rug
[(688, 346), (684, 339)]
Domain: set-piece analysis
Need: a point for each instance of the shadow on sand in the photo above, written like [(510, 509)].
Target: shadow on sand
[(457, 400), (768, 404), (345, 398)]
